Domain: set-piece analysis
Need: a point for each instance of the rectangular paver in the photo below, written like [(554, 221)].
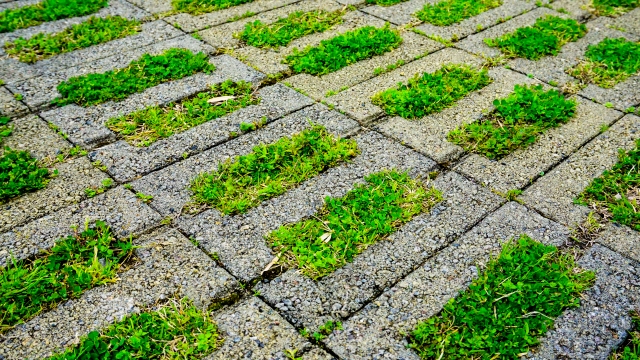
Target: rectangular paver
[(9, 106)]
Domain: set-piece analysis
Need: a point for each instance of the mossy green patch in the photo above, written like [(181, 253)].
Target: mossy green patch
[(516, 123), (608, 62), (141, 74), (449, 12), (197, 7), (91, 32), (285, 30), (614, 7), (5, 128), (177, 330), (506, 310), (20, 173), (545, 37), (344, 50), (615, 193), (73, 265), (48, 10), (429, 93), (144, 127), (346, 226), (270, 170)]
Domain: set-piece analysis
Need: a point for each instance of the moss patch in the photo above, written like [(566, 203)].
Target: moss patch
[(517, 121), (141, 74), (346, 226), (344, 50), (270, 170), (144, 127), (197, 7), (91, 32), (285, 30), (507, 308), (614, 7), (545, 37), (20, 173), (608, 62), (48, 10), (449, 12), (429, 93), (75, 264)]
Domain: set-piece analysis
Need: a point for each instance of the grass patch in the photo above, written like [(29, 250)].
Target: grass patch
[(48, 10), (507, 308), (91, 32), (197, 7), (5, 128), (614, 7), (177, 330), (449, 12), (615, 193), (630, 349), (608, 62), (73, 265), (344, 50), (144, 127), (270, 170), (285, 30), (516, 122), (20, 173), (429, 93), (141, 74), (545, 37), (346, 226)]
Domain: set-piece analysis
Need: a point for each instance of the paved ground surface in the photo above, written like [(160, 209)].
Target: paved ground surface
[(394, 284)]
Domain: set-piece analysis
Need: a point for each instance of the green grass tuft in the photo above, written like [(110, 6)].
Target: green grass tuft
[(48, 10), (5, 128), (177, 330), (429, 93), (141, 74), (344, 50), (91, 32), (285, 30), (144, 127), (449, 12), (507, 308), (197, 7), (545, 37), (608, 62), (615, 193), (73, 265), (517, 121), (614, 7), (346, 226), (20, 173), (270, 170)]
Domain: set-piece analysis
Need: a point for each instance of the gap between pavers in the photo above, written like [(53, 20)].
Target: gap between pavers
[(522, 166), (38, 92), (403, 13), (125, 162), (577, 9), (309, 304), (356, 101), (168, 264), (9, 106), (552, 68), (553, 194), (380, 328), (238, 239), (75, 175), (14, 71), (118, 207)]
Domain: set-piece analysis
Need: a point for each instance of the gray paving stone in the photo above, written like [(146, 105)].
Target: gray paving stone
[(378, 330), (522, 166), (39, 91), (577, 9), (601, 322), (429, 134), (629, 22), (118, 207), (14, 71), (622, 239), (356, 101), (9, 106), (31, 133), (168, 264), (307, 303), (317, 354), (552, 68), (126, 162), (553, 193)]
